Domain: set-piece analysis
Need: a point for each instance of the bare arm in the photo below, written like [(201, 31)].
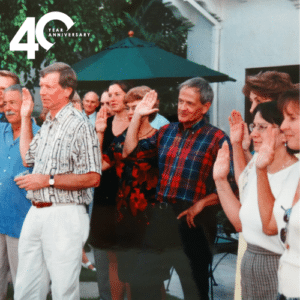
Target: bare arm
[(246, 144), (231, 205), (132, 138), (26, 134), (264, 193), (236, 138), (144, 108), (69, 182), (101, 125)]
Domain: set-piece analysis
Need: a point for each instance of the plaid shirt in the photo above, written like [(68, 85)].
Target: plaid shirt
[(186, 159)]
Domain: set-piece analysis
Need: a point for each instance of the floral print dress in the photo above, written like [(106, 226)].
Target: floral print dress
[(138, 177)]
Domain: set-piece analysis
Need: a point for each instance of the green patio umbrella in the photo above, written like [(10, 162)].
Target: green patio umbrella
[(134, 59)]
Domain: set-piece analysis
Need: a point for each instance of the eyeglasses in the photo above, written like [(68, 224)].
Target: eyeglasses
[(128, 108), (259, 127), (286, 218)]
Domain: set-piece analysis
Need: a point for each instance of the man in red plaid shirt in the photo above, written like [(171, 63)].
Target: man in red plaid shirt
[(186, 153)]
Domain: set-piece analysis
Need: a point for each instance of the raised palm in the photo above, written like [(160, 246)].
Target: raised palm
[(236, 124), (101, 120), (27, 103), (267, 149), (222, 163), (145, 107), (246, 138)]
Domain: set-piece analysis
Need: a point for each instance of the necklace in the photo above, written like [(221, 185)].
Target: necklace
[(140, 137), (283, 166)]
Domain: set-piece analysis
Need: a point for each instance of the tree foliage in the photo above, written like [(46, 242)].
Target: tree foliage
[(107, 21)]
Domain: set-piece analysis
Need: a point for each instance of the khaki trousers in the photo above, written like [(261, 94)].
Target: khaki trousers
[(8, 262)]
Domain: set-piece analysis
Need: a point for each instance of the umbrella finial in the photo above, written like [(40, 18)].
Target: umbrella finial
[(130, 33)]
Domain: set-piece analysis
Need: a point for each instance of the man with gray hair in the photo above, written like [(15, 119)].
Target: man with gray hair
[(13, 204), (186, 151), (7, 79)]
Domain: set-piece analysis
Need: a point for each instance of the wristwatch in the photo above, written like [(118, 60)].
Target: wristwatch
[(51, 181)]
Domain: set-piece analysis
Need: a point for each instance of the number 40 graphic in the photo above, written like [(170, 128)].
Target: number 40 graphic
[(29, 26)]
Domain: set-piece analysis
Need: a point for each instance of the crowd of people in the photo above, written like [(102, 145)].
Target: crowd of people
[(144, 192)]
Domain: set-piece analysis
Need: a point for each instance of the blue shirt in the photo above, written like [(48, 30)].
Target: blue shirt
[(92, 117), (159, 121), (13, 203), (3, 118)]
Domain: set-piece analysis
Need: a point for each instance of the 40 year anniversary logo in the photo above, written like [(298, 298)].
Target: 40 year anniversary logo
[(38, 32)]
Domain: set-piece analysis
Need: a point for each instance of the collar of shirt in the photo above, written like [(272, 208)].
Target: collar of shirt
[(193, 128), (8, 128), (3, 118), (61, 115), (91, 117)]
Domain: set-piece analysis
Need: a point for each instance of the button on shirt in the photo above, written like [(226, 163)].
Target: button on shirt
[(65, 145), (13, 203), (186, 158)]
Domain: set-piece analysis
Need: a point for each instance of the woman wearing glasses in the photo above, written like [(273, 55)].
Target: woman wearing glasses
[(260, 262), (283, 220)]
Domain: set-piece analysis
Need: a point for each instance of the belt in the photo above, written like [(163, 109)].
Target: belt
[(48, 204), (162, 205)]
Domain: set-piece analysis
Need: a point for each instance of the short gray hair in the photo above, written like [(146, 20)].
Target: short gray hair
[(202, 86), (13, 88)]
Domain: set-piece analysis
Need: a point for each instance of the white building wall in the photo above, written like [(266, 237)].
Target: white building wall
[(255, 33), (200, 42)]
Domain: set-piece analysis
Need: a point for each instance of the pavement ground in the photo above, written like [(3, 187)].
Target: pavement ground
[(224, 276)]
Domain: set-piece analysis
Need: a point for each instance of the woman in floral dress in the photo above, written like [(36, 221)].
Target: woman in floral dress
[(140, 262)]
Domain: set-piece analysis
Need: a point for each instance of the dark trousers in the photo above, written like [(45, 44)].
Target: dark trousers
[(197, 250), (196, 247), (146, 291)]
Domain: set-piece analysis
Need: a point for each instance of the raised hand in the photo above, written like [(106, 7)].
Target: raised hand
[(222, 163), (236, 124), (101, 120), (267, 149), (145, 107), (27, 104), (246, 138)]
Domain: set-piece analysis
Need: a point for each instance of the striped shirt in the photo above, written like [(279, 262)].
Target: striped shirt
[(186, 158), (65, 145)]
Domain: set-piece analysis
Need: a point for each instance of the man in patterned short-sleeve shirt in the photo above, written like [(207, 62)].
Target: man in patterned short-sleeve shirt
[(66, 164)]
